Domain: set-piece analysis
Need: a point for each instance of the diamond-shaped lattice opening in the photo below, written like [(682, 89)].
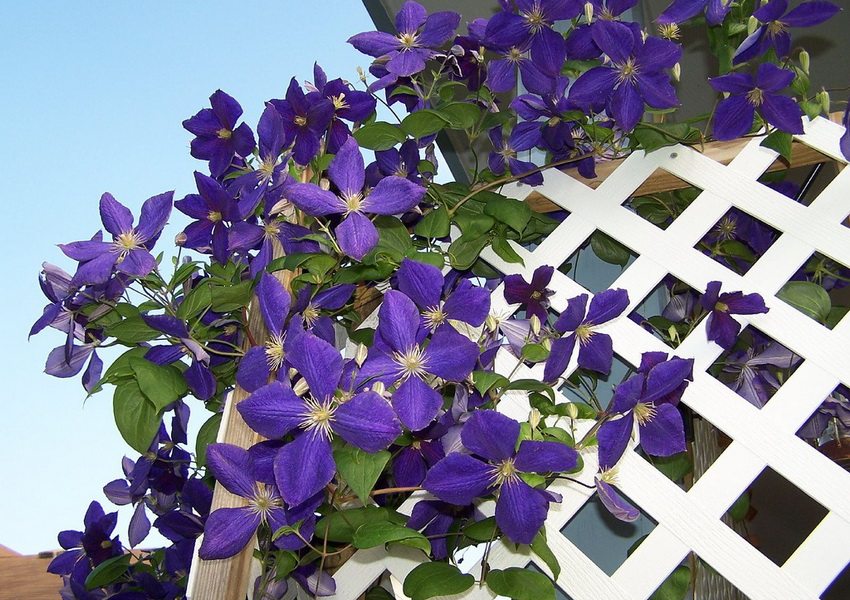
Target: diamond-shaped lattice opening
[(802, 183), (594, 389), (839, 589), (737, 240), (605, 539), (598, 262), (670, 311), (826, 305), (703, 577), (560, 594), (756, 366), (662, 198), (828, 428), (778, 517)]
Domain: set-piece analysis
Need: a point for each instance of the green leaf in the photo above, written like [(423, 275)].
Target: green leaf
[(780, 142), (340, 526), (136, 418), (531, 385), (360, 469), (423, 123), (481, 531), (379, 593), (486, 380), (379, 136), (473, 224), (807, 297), (285, 562), (132, 331), (664, 134), (120, 369), (505, 251), (739, 509), (109, 571), (608, 249), (233, 297), (465, 250), (675, 587), (378, 533), (320, 264), (521, 584), (161, 385), (513, 213), (675, 467), (206, 436), (535, 353), (394, 242), (542, 549), (435, 579), (435, 224), (460, 115), (196, 302)]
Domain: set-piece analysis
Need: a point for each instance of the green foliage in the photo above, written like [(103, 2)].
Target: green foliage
[(541, 548), (136, 417), (521, 584), (608, 249), (379, 136), (780, 142), (107, 572), (481, 531), (360, 469), (380, 533), (423, 123), (674, 467), (341, 525), (162, 385), (513, 213), (435, 224), (658, 135), (807, 297), (206, 436), (676, 586), (435, 579)]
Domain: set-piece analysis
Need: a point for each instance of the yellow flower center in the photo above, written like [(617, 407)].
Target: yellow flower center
[(300, 121), (224, 133), (267, 167), (271, 229), (407, 40), (127, 241), (434, 317), (274, 351), (353, 202), (775, 28), (584, 333), (412, 362), (535, 18), (721, 307), (214, 216), (628, 70), (310, 314), (318, 417), (504, 471), (669, 31), (514, 55), (644, 413), (339, 102), (755, 97), (264, 501)]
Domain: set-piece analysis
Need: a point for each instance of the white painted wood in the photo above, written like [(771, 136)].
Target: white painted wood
[(690, 521)]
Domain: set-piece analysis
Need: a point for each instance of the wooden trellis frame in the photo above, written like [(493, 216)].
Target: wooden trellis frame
[(689, 521)]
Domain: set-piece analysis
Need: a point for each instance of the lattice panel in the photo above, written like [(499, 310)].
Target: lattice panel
[(690, 521)]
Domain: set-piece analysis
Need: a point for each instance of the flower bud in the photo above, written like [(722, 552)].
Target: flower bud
[(588, 11), (360, 355), (361, 74), (677, 72), (491, 323), (546, 343), (572, 410), (805, 61), (534, 418), (379, 388), (825, 101), (534, 323), (180, 239), (325, 183), (457, 50), (752, 25), (301, 387)]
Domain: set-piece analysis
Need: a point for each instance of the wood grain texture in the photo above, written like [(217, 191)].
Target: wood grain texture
[(27, 577)]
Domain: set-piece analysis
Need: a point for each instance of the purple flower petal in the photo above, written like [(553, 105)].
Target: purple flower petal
[(416, 403), (200, 380), (783, 113), (664, 433), (559, 357), (253, 371), (95, 271), (451, 355), (613, 439), (116, 217), (225, 108), (136, 263), (393, 196), (626, 106), (410, 17), (722, 328), (597, 353), (273, 410), (421, 282), (458, 479), (667, 377), (407, 62), (733, 118), (468, 303), (314, 200), (409, 468), (230, 465), (304, 467), (614, 39), (274, 302), (356, 235), (439, 28), (139, 526), (548, 51), (680, 11), (615, 503), (573, 315), (154, 216), (490, 435), (607, 305), (545, 457), (317, 361), (227, 531), (85, 250), (811, 13), (367, 421), (374, 43), (520, 511), (398, 321), (60, 365), (347, 170)]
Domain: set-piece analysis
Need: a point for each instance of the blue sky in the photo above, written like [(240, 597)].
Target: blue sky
[(92, 99)]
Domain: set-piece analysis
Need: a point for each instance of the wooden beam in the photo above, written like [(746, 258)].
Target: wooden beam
[(662, 181)]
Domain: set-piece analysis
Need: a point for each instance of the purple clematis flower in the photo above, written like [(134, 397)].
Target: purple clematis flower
[(261, 362), (198, 376), (721, 327), (520, 508), (356, 234), (304, 466), (214, 208), (400, 356), (401, 162), (419, 37), (534, 296), (228, 530), (611, 499), (649, 397), (218, 138), (524, 136), (311, 304), (595, 350), (502, 72), (680, 11), (87, 549), (580, 44), (435, 518), (348, 105), (776, 19), (306, 117), (748, 95), (634, 76), (752, 377), (424, 283), (532, 26), (129, 250)]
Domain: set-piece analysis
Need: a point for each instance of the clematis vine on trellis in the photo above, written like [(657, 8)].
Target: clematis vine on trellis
[(350, 305)]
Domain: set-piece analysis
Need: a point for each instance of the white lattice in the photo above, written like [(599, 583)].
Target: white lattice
[(690, 521)]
